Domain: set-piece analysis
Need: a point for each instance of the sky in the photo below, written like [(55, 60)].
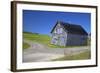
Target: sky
[(43, 21)]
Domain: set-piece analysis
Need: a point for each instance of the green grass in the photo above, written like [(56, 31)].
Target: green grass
[(81, 56), (25, 45), (40, 38)]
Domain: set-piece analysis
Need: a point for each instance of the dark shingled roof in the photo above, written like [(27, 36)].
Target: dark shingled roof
[(72, 28)]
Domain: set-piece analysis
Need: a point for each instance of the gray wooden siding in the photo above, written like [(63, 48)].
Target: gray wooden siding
[(73, 39)]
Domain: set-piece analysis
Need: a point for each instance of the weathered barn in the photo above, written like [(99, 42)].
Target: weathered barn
[(66, 34)]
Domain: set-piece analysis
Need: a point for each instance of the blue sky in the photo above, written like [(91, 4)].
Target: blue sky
[(43, 21)]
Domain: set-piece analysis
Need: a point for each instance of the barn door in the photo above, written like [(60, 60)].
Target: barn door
[(62, 41)]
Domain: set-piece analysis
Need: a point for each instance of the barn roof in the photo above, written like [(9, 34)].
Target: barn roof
[(71, 28)]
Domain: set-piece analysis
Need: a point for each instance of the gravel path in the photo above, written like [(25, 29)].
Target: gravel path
[(39, 52)]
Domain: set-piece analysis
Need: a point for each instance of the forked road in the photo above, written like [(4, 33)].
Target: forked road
[(39, 52)]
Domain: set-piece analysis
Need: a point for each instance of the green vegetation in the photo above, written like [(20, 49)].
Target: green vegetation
[(25, 45), (40, 38), (81, 56)]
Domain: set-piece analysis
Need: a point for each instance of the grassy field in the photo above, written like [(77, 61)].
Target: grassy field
[(40, 38), (81, 56), (25, 45)]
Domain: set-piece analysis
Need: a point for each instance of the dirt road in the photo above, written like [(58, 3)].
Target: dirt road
[(38, 52)]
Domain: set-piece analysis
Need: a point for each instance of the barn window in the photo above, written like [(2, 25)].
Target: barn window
[(54, 40), (59, 30)]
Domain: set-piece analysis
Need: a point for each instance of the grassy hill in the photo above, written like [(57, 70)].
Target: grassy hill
[(40, 38), (25, 45)]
